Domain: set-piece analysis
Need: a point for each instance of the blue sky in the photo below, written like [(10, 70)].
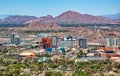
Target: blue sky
[(56, 7)]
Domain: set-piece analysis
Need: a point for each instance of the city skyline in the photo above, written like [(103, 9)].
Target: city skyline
[(49, 7)]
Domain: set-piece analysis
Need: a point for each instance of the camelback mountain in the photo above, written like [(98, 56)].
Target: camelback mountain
[(75, 17)]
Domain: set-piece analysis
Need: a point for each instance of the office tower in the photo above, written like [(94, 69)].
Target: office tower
[(82, 42), (12, 36), (112, 42), (46, 43), (54, 41), (17, 40)]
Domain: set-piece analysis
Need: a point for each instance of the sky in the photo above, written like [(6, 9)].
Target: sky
[(56, 7)]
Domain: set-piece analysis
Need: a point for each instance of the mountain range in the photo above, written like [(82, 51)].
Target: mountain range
[(113, 16), (4, 16), (17, 19), (66, 17)]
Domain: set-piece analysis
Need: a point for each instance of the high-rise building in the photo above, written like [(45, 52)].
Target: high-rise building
[(46, 43), (54, 41), (82, 42), (112, 42), (12, 36), (17, 40)]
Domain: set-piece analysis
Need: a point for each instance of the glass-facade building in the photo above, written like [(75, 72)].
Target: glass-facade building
[(17, 40), (12, 36)]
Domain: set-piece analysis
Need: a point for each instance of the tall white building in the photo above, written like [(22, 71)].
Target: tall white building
[(112, 42), (54, 42)]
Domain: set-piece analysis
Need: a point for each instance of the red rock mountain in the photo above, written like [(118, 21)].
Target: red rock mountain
[(48, 22), (39, 25), (43, 19), (75, 17), (46, 18)]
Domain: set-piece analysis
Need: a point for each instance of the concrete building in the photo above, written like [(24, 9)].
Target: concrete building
[(82, 42), (15, 39), (95, 44), (67, 43), (112, 42), (54, 42)]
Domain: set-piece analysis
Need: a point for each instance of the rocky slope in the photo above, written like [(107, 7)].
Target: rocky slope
[(39, 25)]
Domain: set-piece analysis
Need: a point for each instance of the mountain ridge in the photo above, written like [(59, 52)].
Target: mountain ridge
[(113, 16), (65, 17), (75, 17)]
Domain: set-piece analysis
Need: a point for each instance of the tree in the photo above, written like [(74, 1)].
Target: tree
[(80, 54), (79, 73)]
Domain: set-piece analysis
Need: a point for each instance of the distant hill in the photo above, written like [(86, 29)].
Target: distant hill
[(4, 16), (17, 19), (113, 16), (43, 19)]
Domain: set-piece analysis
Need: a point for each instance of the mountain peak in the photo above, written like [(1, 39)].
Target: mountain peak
[(75, 17), (71, 12)]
